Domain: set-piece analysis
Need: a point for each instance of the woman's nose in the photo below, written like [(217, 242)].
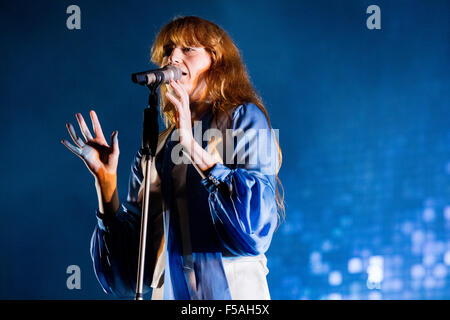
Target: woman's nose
[(176, 56)]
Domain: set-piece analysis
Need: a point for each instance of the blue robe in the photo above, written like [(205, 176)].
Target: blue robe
[(232, 212)]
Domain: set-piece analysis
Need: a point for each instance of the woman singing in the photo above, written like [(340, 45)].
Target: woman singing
[(214, 201)]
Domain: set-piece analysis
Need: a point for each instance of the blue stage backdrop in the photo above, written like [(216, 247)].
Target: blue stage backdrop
[(364, 127)]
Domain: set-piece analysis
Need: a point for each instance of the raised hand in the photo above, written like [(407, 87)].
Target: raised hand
[(199, 157), (180, 99), (100, 158)]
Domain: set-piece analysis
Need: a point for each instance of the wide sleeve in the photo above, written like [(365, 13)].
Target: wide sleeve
[(115, 241), (242, 188)]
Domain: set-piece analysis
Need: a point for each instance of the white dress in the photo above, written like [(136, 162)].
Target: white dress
[(246, 277)]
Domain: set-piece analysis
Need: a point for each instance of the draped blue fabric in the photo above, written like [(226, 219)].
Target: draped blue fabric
[(232, 212), (210, 277)]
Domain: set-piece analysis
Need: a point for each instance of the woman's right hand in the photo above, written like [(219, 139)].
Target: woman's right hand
[(100, 158)]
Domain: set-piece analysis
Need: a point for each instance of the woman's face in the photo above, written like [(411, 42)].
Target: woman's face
[(193, 62)]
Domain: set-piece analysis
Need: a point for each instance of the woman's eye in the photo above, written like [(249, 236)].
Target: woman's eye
[(167, 51), (188, 49)]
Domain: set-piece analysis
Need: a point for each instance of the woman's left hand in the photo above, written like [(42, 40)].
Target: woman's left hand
[(182, 113)]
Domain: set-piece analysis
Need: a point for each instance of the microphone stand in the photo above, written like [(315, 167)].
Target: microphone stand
[(149, 144)]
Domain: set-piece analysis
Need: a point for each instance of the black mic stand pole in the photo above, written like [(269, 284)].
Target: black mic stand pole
[(149, 144)]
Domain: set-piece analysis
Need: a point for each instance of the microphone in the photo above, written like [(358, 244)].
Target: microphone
[(165, 74)]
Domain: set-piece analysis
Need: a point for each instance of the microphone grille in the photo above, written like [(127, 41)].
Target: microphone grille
[(176, 72)]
